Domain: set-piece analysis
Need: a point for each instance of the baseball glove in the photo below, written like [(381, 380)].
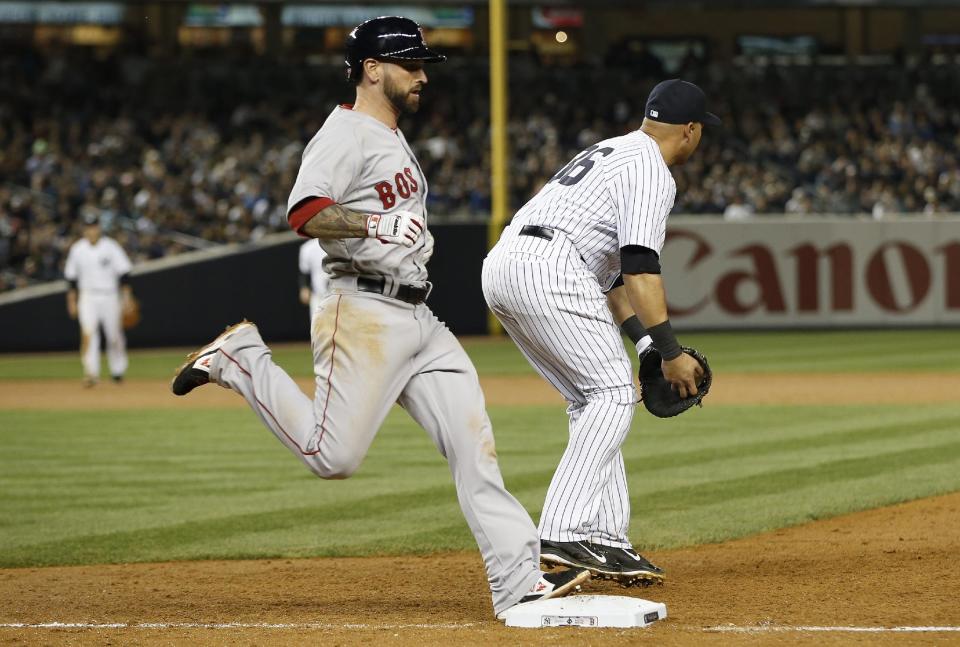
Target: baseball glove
[(658, 395), (130, 315)]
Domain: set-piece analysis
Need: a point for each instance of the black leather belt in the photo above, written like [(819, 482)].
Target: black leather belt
[(545, 233), (408, 293)]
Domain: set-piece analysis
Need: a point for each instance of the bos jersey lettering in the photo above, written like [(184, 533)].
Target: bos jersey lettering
[(615, 193), (362, 164)]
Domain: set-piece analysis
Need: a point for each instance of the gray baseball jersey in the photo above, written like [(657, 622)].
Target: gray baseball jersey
[(547, 289), (371, 351), (359, 162)]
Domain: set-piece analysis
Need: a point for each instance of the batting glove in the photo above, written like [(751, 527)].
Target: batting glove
[(397, 228), (427, 247)]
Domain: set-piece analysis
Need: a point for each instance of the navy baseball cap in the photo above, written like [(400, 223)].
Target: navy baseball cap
[(679, 102)]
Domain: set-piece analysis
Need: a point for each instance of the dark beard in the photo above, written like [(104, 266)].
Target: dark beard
[(402, 100)]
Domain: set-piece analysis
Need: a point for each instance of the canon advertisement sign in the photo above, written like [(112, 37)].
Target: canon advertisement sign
[(780, 273)]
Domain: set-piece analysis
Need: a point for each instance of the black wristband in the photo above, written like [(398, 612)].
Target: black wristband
[(304, 280), (664, 340), (633, 329)]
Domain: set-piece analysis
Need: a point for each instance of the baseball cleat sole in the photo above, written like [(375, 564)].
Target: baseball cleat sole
[(558, 560), (187, 378)]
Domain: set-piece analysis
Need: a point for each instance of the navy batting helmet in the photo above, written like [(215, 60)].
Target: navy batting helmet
[(386, 37)]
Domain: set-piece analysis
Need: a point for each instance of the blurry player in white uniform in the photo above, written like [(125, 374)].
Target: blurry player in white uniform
[(314, 281), (97, 271), (579, 259), (361, 192)]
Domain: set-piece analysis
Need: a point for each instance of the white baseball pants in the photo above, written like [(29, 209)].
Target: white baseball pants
[(552, 307), (96, 310)]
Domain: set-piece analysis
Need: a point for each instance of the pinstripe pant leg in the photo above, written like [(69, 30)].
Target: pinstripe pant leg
[(553, 309)]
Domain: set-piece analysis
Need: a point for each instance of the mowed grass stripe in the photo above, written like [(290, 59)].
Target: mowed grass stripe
[(215, 484), (830, 351), (742, 352)]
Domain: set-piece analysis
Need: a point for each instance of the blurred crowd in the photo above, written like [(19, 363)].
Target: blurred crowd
[(182, 154)]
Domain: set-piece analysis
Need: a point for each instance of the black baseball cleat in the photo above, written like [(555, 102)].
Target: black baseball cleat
[(634, 567), (556, 585), (578, 554), (196, 370)]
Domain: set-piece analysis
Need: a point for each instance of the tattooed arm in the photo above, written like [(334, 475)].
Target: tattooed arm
[(336, 221)]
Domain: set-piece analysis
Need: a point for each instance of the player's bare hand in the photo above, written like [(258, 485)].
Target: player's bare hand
[(397, 228), (305, 295), (684, 373)]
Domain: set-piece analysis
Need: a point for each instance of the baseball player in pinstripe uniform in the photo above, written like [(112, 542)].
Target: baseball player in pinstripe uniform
[(361, 192), (98, 275), (579, 259), (313, 279)]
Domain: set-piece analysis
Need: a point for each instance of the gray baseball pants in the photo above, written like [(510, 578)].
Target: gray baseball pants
[(369, 352)]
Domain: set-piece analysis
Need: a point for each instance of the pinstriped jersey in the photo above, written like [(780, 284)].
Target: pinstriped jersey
[(364, 165), (615, 193), (96, 266)]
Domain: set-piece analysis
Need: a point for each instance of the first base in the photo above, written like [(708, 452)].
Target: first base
[(586, 611)]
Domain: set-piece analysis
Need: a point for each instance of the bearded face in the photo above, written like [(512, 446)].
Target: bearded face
[(402, 83)]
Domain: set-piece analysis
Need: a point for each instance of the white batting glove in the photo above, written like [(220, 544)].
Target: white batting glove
[(427, 247), (397, 228)]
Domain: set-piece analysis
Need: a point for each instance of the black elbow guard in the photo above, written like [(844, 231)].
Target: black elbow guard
[(637, 259)]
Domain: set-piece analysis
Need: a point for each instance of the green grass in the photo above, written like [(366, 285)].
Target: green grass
[(742, 352), (117, 486)]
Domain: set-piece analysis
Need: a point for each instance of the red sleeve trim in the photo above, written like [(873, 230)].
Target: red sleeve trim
[(305, 210)]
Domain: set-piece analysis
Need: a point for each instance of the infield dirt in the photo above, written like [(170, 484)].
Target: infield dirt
[(889, 567)]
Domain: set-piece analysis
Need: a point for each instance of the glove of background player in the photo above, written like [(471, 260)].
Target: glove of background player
[(398, 228), (130, 313), (658, 395)]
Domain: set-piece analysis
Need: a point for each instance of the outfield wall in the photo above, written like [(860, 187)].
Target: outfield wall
[(188, 298), (768, 272), (813, 272)]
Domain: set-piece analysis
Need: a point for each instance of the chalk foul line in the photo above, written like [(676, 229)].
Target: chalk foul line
[(229, 625), (753, 629), (801, 628)]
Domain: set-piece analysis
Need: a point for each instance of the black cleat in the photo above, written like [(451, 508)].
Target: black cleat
[(578, 554), (634, 567), (196, 370), (556, 585)]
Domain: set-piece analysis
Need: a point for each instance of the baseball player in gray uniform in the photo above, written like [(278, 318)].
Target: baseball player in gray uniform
[(361, 192), (579, 259)]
